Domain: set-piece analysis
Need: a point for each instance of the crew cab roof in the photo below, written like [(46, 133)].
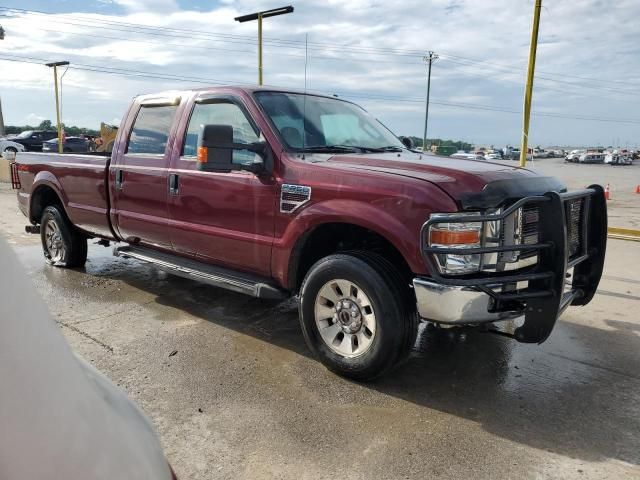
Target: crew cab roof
[(248, 89)]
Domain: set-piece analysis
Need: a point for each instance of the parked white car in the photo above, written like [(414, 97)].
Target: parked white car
[(493, 156), (9, 146), (591, 157), (467, 156), (615, 158), (573, 155)]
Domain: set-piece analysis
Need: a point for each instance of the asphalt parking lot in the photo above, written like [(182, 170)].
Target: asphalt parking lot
[(624, 205), (233, 392)]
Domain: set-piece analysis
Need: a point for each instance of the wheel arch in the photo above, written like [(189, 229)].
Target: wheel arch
[(336, 235), (45, 192)]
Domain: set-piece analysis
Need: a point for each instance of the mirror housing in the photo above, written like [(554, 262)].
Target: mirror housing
[(216, 146), (407, 142)]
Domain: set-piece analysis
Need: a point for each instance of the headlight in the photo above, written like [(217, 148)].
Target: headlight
[(456, 235)]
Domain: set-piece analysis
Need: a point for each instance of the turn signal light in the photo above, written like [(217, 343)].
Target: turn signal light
[(454, 237), (203, 154)]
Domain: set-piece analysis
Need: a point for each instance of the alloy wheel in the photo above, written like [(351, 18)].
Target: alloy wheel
[(345, 318)]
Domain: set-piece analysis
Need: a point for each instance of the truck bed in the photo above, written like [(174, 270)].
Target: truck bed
[(78, 179)]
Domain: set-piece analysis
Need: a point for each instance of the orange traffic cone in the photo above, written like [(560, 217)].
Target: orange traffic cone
[(606, 192), (638, 189)]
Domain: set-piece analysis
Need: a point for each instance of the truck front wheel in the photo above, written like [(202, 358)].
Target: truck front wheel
[(355, 315), (62, 244)]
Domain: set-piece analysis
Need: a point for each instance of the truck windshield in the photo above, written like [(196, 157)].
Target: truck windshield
[(314, 123)]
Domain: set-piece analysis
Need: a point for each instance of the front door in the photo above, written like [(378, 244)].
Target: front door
[(225, 218), (139, 178)]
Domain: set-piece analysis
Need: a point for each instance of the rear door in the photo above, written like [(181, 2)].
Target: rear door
[(139, 174), (225, 217)]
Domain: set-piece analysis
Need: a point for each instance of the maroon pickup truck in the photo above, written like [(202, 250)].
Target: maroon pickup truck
[(276, 193)]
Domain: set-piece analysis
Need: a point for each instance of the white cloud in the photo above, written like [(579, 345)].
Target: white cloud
[(147, 5), (34, 119)]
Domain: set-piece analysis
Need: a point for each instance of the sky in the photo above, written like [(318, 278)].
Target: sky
[(371, 52)]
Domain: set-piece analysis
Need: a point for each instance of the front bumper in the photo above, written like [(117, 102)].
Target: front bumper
[(454, 304), (572, 235)]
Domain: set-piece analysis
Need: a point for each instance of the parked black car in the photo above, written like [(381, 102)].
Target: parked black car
[(33, 139), (71, 144)]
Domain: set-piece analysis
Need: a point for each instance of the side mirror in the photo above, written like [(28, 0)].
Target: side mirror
[(407, 142), (216, 147)]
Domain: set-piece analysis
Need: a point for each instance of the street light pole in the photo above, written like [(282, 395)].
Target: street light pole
[(429, 58), (259, 16), (528, 92), (259, 48), (55, 66)]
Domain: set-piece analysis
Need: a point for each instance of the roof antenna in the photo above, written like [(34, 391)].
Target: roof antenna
[(304, 98)]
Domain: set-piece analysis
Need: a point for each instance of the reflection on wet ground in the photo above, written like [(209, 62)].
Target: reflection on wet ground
[(577, 395)]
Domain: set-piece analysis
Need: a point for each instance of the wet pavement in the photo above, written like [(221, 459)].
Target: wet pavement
[(241, 397), (623, 180)]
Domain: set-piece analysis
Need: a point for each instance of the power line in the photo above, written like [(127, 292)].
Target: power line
[(330, 58), (543, 86), (343, 59), (373, 97), (298, 44), (349, 59), (546, 77), (217, 49), (449, 56), (199, 34)]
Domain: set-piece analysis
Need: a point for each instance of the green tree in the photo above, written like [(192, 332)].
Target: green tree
[(45, 125)]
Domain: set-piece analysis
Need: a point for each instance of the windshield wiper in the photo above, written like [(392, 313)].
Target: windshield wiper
[(349, 148), (389, 148), (331, 149)]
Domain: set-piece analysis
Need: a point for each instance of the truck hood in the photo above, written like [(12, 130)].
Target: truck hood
[(457, 177)]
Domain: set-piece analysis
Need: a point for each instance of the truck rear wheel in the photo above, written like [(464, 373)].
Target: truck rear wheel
[(62, 244), (355, 315)]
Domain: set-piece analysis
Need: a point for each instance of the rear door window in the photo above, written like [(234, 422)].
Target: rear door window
[(150, 131)]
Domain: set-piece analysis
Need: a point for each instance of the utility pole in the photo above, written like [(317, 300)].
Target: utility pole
[(55, 66), (1, 117), (430, 58), (259, 16), (528, 92)]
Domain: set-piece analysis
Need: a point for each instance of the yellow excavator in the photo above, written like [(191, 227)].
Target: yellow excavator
[(104, 143)]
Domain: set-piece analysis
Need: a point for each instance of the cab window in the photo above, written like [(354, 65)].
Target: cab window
[(220, 113), (150, 131)]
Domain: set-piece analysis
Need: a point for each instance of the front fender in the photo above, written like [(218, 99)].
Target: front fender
[(354, 212)]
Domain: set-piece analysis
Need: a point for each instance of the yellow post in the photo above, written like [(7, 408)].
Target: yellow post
[(529, 87), (260, 49), (55, 80)]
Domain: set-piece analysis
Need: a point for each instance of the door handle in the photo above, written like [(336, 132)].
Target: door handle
[(119, 179), (173, 183)]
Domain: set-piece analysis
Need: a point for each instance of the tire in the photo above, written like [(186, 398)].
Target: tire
[(11, 149), (62, 244), (385, 325)]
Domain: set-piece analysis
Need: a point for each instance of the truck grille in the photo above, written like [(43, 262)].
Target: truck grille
[(575, 220), (529, 219), (520, 228)]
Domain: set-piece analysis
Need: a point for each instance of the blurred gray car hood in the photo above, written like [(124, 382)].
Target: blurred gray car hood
[(59, 417)]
